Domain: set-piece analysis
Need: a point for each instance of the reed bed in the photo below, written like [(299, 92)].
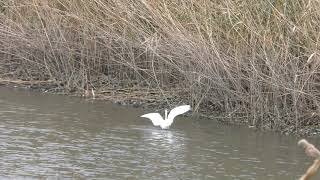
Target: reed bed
[(254, 62)]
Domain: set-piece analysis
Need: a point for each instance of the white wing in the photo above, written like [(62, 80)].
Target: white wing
[(156, 118), (177, 111)]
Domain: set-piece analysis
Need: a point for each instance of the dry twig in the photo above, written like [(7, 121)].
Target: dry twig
[(311, 151)]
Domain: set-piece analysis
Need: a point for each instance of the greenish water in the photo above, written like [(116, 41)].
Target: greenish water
[(59, 137)]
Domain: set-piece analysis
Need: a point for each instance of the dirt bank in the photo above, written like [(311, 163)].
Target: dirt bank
[(147, 99)]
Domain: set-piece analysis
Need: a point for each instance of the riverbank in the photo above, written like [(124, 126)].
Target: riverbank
[(150, 99), (254, 63)]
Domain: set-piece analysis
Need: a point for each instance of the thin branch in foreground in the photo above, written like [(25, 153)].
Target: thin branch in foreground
[(311, 151)]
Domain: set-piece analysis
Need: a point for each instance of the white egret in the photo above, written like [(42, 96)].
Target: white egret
[(165, 123)]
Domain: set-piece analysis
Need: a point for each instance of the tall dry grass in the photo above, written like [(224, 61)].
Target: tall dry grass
[(257, 61)]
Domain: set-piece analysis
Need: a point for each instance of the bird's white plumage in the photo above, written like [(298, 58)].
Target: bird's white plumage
[(177, 111), (165, 123), (154, 117)]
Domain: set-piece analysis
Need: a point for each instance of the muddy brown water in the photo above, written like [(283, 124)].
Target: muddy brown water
[(58, 137)]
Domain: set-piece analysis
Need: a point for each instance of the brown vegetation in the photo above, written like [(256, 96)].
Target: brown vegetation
[(253, 61)]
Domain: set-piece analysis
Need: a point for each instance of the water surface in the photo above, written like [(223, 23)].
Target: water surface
[(51, 136)]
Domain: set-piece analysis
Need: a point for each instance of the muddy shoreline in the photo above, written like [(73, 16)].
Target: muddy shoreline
[(144, 98)]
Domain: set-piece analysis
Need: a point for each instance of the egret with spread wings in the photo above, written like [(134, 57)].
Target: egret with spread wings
[(165, 123)]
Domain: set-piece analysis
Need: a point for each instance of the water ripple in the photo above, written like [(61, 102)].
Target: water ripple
[(56, 137)]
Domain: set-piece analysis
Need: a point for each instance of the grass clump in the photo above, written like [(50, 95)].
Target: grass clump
[(253, 61)]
